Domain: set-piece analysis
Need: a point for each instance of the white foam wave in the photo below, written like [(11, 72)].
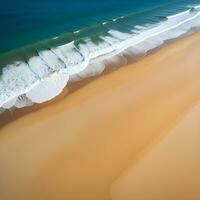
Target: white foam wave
[(196, 7), (72, 57), (77, 31), (44, 76), (16, 80), (179, 14), (49, 87), (51, 60), (23, 101), (39, 67)]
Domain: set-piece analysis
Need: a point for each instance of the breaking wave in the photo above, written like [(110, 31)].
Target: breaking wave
[(39, 73)]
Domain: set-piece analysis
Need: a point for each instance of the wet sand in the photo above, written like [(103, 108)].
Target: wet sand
[(130, 134)]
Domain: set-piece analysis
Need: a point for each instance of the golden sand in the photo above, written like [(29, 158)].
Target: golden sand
[(133, 134)]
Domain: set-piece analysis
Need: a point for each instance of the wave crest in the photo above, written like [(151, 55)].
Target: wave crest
[(45, 75)]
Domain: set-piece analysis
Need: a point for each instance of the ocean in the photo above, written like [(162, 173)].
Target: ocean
[(47, 44)]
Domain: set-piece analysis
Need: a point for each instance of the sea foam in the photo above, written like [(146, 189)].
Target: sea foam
[(45, 75)]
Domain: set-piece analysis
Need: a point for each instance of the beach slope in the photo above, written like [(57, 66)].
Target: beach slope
[(129, 134)]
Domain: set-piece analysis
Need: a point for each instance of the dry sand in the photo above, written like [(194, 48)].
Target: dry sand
[(133, 134)]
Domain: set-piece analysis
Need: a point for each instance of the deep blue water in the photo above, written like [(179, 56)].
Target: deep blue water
[(23, 22)]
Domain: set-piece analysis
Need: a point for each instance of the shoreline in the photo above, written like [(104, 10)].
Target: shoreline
[(36, 71), (85, 145), (10, 115)]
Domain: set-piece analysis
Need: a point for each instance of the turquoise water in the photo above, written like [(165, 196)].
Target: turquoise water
[(62, 40), (25, 22)]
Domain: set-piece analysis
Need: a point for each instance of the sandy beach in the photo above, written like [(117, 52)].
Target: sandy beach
[(129, 134)]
